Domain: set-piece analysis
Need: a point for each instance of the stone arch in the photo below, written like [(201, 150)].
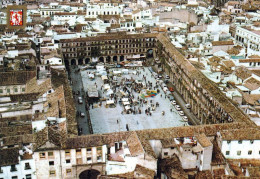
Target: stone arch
[(90, 174), (122, 58), (87, 60), (108, 59), (101, 59), (98, 167), (73, 62), (80, 61), (149, 53), (114, 58)]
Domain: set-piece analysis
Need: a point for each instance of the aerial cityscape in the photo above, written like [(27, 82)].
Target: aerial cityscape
[(120, 89)]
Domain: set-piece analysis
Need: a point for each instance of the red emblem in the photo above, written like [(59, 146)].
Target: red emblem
[(16, 17)]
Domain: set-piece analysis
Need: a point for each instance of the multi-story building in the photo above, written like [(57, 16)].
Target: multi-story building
[(249, 36), (240, 143), (17, 164), (93, 10), (108, 48)]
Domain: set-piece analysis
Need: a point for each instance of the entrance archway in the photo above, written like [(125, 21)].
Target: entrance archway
[(73, 62), (101, 59), (122, 58), (80, 61), (149, 53), (89, 174), (87, 60), (108, 59), (114, 58)]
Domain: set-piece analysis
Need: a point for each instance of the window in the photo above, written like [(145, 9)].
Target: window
[(27, 166), (15, 90), (8, 90), (1, 90), (88, 149), (172, 147), (228, 141), (14, 177), (13, 168), (68, 171), (78, 151), (239, 152), (67, 152), (99, 148), (52, 173), (250, 152), (240, 141), (165, 153), (42, 155), (98, 157), (68, 161), (29, 176), (227, 152), (51, 163), (251, 141), (50, 154), (88, 159)]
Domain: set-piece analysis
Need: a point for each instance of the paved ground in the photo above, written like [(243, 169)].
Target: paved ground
[(78, 86), (105, 120)]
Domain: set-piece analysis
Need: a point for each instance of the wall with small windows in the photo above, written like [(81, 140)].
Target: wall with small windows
[(59, 163), (14, 89), (241, 149), (103, 9), (25, 169)]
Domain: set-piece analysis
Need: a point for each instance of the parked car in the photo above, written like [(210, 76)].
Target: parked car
[(173, 102), (82, 114), (181, 113), (167, 77), (171, 89), (177, 107), (171, 98), (80, 100), (185, 118), (188, 106)]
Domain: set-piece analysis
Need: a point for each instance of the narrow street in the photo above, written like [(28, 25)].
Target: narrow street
[(180, 101), (77, 88)]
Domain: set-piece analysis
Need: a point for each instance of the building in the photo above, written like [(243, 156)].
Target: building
[(240, 144), (105, 48)]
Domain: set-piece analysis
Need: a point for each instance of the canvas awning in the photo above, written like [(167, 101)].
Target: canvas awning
[(126, 103), (125, 99), (110, 102), (106, 86), (104, 77)]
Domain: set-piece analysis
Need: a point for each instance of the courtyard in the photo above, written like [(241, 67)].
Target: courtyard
[(128, 99)]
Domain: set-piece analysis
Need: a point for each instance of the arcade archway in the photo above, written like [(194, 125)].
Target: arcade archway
[(101, 59), (122, 58), (87, 60), (89, 174), (80, 61), (149, 53), (73, 62), (108, 59), (115, 59)]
